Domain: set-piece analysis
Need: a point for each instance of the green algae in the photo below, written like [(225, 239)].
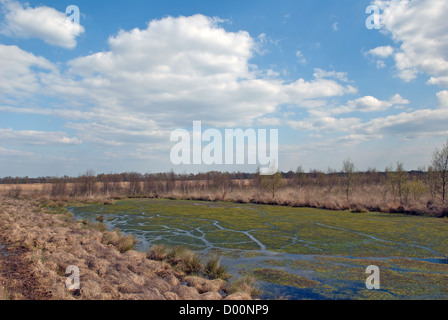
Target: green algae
[(342, 243), (290, 230), (284, 278)]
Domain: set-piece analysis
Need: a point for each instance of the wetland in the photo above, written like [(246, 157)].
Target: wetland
[(295, 253)]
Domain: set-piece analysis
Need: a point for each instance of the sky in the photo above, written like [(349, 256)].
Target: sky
[(106, 91)]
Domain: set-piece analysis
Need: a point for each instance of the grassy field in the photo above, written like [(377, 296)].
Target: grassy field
[(339, 244)]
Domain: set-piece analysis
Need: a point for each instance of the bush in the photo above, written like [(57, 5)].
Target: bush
[(14, 192), (158, 252), (184, 259), (125, 243), (215, 270), (191, 263), (179, 257), (245, 284), (121, 242)]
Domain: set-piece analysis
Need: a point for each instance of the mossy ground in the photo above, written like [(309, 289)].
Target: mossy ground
[(385, 240)]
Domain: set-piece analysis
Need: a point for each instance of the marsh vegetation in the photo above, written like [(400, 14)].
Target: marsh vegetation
[(293, 253)]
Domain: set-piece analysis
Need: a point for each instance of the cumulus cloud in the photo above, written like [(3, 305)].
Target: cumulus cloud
[(323, 119), (379, 54), (45, 23), (382, 52), (420, 28), (151, 80), (187, 63), (441, 81), (21, 71), (397, 99), (371, 104)]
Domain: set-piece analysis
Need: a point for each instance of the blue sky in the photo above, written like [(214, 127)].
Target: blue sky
[(106, 94)]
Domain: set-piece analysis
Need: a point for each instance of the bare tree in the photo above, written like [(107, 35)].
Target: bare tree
[(401, 177), (59, 186), (87, 183), (331, 179), (299, 177), (272, 183), (134, 187), (348, 168), (431, 180), (440, 166)]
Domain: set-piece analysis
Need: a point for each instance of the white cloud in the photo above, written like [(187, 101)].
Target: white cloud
[(302, 90), (397, 99), (159, 78), (443, 99), (421, 30), (185, 63), (382, 52), (21, 71), (45, 23), (324, 124), (441, 81), (420, 123), (30, 137), (370, 104), (379, 54), (323, 74), (300, 57)]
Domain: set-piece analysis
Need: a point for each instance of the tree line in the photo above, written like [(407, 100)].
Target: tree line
[(394, 182)]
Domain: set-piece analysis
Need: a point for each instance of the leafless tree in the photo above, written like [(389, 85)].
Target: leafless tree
[(348, 168), (272, 183), (440, 166)]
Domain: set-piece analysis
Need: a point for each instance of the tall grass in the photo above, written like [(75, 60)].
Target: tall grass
[(244, 284), (188, 261), (214, 269), (123, 243)]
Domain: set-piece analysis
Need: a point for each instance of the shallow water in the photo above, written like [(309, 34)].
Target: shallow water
[(304, 243)]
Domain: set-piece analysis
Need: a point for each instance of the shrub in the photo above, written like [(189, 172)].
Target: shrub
[(125, 243), (215, 270), (121, 242), (184, 259), (245, 284), (191, 263), (14, 192), (158, 252)]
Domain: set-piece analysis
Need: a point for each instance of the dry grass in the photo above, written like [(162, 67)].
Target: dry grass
[(45, 244), (364, 197), (245, 284), (181, 258)]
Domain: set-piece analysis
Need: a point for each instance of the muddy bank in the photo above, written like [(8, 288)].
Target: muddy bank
[(38, 246)]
